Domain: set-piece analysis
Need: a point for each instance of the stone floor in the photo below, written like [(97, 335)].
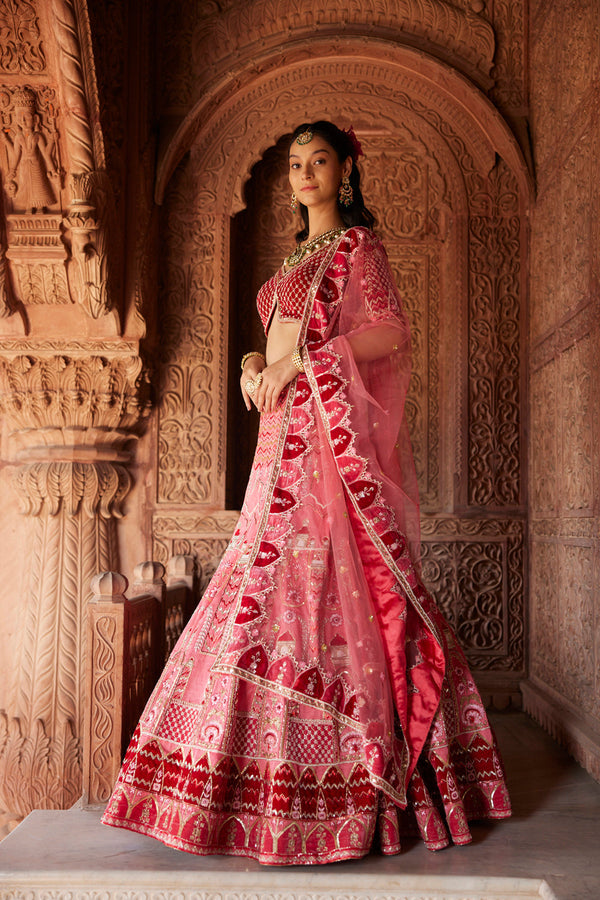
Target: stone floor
[(549, 849)]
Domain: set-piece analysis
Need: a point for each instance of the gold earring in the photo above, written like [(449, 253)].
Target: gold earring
[(346, 194), (294, 203)]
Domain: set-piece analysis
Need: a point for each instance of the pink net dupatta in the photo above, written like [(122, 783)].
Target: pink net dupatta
[(372, 493)]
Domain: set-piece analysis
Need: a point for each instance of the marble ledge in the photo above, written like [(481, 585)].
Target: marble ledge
[(59, 854), (549, 849)]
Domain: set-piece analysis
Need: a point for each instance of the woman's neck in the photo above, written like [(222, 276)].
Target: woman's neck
[(319, 224)]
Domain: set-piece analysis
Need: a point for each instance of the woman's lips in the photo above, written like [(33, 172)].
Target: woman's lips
[(309, 187)]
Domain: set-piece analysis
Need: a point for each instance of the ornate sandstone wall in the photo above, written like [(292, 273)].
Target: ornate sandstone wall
[(437, 90), (564, 687), (74, 392)]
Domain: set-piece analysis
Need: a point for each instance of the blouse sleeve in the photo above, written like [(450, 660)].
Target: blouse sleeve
[(380, 291)]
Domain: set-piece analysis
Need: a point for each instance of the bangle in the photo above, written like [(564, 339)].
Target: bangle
[(247, 356), (297, 358)]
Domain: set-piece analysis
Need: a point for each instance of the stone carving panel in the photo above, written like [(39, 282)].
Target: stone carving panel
[(82, 891), (210, 34), (546, 262), (30, 161), (545, 592), (417, 273), (508, 19), (574, 412), (188, 357), (204, 538), (45, 395), (564, 367), (21, 48), (575, 216), (70, 420), (58, 199), (30, 139), (37, 256), (494, 343), (104, 697), (544, 447), (475, 571), (404, 184), (576, 625), (72, 537)]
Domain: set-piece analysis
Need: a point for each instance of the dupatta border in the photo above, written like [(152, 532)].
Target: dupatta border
[(227, 633)]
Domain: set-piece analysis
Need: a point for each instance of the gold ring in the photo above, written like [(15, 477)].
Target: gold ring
[(258, 380), (250, 387)]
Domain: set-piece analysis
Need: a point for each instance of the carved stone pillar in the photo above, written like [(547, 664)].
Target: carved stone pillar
[(71, 422)]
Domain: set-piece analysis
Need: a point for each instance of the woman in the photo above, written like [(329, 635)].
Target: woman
[(317, 701)]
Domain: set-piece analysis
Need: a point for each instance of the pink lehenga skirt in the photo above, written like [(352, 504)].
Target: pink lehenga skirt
[(262, 738)]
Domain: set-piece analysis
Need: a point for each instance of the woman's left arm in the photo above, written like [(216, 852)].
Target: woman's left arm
[(375, 342)]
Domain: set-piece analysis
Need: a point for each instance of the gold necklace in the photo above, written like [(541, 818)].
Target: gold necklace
[(302, 250)]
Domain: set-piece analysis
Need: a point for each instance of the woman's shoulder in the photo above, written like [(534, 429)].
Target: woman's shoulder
[(360, 242), (360, 236)]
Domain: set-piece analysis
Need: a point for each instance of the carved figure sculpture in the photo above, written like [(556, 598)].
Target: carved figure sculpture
[(30, 156), (317, 695)]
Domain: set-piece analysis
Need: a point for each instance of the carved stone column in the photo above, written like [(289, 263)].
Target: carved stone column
[(72, 421)]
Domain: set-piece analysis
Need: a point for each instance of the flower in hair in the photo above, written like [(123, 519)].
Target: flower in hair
[(356, 148)]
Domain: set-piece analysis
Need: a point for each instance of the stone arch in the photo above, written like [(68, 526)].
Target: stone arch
[(476, 511), (230, 126)]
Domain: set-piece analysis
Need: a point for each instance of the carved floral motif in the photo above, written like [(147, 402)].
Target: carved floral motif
[(509, 17), (105, 690), (21, 48), (403, 178), (65, 413), (97, 487), (474, 568), (66, 392), (494, 342), (6, 300), (186, 411), (89, 220), (72, 537)]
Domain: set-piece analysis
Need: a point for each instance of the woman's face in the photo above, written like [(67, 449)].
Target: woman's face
[(316, 173)]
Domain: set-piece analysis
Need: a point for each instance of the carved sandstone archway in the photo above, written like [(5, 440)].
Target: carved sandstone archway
[(452, 191)]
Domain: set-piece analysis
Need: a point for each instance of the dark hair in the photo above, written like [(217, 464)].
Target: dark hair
[(357, 213)]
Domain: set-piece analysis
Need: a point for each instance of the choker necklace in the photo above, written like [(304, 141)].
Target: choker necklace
[(302, 250)]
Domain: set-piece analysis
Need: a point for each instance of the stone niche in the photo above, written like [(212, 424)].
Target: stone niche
[(451, 194)]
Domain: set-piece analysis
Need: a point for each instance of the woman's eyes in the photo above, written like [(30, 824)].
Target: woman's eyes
[(316, 162)]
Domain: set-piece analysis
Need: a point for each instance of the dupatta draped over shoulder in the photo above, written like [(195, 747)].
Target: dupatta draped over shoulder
[(317, 694)]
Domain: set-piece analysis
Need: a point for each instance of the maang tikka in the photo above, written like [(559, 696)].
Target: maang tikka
[(305, 137)]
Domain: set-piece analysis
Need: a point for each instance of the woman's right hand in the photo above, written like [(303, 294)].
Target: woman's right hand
[(254, 365)]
